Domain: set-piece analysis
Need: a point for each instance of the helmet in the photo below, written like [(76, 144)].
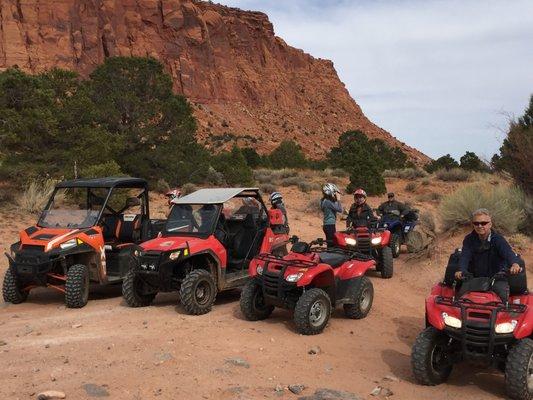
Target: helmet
[(329, 189), (275, 198), (359, 192), (172, 194), (359, 196)]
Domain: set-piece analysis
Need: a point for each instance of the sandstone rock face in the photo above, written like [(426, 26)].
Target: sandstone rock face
[(247, 86)]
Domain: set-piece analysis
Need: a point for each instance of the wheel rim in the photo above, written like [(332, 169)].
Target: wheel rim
[(318, 313), (365, 299), (530, 375), (259, 301), (439, 359), (202, 293)]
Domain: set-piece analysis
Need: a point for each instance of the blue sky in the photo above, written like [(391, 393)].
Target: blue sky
[(442, 76)]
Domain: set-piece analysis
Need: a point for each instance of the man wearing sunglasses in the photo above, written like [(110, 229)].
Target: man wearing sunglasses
[(392, 207), (486, 252)]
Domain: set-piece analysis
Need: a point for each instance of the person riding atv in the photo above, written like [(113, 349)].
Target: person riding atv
[(399, 219), (392, 207), (360, 213), (485, 252)]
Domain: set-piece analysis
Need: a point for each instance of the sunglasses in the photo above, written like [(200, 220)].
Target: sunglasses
[(480, 223), (391, 197)]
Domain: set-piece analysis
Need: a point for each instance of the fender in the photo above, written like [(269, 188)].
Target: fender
[(321, 275), (385, 237), (433, 314), (354, 269), (525, 324)]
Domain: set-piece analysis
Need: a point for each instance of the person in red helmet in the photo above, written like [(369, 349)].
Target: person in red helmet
[(360, 212), (172, 194)]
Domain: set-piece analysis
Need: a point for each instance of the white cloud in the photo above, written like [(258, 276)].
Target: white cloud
[(436, 74)]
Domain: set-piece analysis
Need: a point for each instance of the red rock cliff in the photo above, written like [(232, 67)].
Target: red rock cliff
[(244, 81)]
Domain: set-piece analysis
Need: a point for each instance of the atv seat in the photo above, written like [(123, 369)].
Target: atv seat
[(333, 258)]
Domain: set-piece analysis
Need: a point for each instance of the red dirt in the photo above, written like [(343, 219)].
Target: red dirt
[(159, 351)]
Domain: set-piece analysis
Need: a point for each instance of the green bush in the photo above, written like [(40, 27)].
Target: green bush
[(253, 159), (160, 186), (267, 188), (293, 181), (506, 205), (453, 175), (405, 173), (109, 168), (287, 155), (233, 167), (471, 162), (188, 188), (368, 177), (444, 162)]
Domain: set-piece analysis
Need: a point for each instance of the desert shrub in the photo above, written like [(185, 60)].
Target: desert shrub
[(313, 206), (411, 187), (188, 188), (160, 186), (506, 205), (428, 220), (214, 177), (405, 173), (453, 175), (337, 172), (253, 159), (263, 175), (444, 162), (34, 197), (305, 187), (425, 182), (368, 177), (267, 188), (428, 197), (292, 181), (6, 195), (285, 173)]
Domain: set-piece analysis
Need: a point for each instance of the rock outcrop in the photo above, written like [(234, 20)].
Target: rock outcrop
[(247, 85)]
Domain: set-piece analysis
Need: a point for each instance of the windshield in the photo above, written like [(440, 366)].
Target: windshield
[(192, 219), (73, 208)]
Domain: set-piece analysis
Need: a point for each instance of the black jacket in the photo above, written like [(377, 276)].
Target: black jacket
[(486, 258), (388, 207), (359, 215)]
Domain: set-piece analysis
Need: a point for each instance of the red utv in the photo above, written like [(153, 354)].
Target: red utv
[(205, 247), (372, 241), (85, 235), (309, 280), (488, 322)]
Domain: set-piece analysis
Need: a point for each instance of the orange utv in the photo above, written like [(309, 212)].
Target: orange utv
[(86, 235)]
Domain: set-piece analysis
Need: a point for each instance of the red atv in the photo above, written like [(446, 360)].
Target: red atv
[(371, 241), (205, 247), (309, 280), (484, 321), (86, 234)]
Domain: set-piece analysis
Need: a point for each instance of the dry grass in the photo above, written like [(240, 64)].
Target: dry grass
[(453, 175), (35, 195), (305, 180), (411, 187), (405, 173), (429, 197), (267, 188), (506, 204), (188, 188)]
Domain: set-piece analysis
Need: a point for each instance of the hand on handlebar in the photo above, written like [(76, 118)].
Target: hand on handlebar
[(459, 275)]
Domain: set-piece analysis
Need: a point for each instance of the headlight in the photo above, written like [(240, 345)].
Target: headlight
[(259, 270), (174, 255), (351, 241), (68, 244), (451, 321), (294, 277), (506, 327), (376, 240)]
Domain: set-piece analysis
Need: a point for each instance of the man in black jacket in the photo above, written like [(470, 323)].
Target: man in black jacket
[(392, 207), (486, 252), (360, 213)]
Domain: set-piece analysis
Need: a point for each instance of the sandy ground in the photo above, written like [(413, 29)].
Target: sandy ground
[(108, 349)]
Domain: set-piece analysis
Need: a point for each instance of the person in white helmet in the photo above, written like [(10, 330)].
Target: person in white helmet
[(330, 205), (276, 201)]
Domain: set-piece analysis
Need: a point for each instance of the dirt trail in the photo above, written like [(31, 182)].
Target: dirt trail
[(160, 352)]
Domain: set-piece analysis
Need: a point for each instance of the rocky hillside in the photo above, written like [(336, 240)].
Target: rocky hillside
[(246, 84)]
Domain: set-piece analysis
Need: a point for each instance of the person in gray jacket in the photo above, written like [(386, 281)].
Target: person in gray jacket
[(330, 206)]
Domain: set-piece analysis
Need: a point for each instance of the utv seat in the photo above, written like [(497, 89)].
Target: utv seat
[(334, 259), (243, 240), (127, 229)]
